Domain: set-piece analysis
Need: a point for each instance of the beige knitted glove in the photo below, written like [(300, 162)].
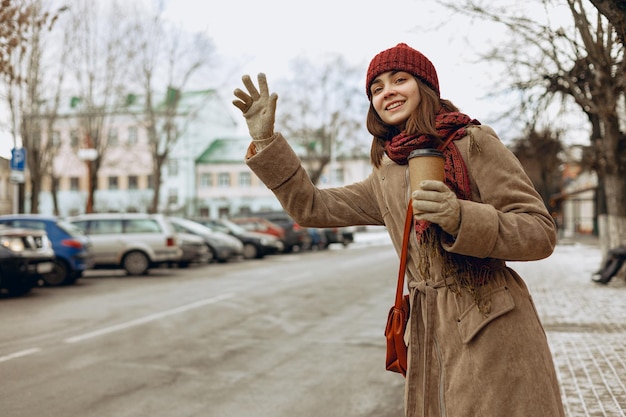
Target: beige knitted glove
[(259, 109), (436, 203)]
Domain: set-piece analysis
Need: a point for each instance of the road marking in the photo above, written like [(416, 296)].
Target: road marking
[(149, 318), (19, 354)]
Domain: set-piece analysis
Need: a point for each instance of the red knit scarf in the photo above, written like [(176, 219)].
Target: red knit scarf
[(450, 127)]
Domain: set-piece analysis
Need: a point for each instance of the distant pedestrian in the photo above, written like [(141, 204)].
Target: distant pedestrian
[(476, 345), (614, 262)]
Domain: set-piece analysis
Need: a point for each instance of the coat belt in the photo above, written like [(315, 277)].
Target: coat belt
[(421, 292)]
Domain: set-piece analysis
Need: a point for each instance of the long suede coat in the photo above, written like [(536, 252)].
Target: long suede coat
[(462, 362)]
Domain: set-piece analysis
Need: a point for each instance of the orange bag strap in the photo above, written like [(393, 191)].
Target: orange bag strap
[(408, 222)]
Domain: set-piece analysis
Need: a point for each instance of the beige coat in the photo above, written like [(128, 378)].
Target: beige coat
[(461, 362)]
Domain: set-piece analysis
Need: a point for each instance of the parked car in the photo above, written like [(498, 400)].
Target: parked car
[(296, 237), (194, 250), (72, 248), (260, 225), (25, 254), (343, 235), (222, 247), (131, 241), (255, 245)]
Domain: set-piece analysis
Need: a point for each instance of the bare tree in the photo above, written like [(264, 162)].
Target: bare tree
[(323, 109), (167, 58), (615, 12), (19, 20), (539, 152), (99, 59), (23, 75), (580, 61)]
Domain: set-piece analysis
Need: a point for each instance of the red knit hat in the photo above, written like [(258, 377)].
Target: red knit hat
[(404, 58)]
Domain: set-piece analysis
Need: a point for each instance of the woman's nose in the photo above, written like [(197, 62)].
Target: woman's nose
[(388, 91)]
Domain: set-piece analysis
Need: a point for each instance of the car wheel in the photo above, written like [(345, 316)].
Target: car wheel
[(58, 276), (250, 251), (135, 263), (210, 255)]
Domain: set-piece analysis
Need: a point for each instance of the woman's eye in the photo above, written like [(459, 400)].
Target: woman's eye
[(375, 90)]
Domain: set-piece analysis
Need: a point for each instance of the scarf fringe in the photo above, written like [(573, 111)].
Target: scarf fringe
[(469, 273)]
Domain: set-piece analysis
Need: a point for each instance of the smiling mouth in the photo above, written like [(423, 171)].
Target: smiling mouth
[(394, 105)]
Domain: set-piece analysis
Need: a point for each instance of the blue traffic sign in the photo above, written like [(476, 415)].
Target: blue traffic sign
[(18, 159)]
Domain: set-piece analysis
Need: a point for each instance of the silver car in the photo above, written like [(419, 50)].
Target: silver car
[(222, 247), (131, 241)]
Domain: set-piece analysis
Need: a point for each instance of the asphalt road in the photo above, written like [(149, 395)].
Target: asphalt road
[(289, 335)]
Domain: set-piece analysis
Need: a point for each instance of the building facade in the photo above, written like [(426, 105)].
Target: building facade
[(204, 175)]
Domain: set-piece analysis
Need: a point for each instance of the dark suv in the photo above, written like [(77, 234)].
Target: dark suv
[(25, 255), (296, 237), (71, 247)]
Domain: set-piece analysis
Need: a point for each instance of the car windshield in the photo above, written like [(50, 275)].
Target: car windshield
[(192, 226), (70, 229), (234, 228)]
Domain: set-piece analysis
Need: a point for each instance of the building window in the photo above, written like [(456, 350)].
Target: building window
[(172, 167), (223, 179), (150, 182), (113, 183), (112, 138), (133, 182), (74, 183), (172, 196), (74, 136), (206, 180), (245, 179), (132, 135)]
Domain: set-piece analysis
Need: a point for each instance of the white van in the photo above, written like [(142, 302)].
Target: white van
[(131, 241)]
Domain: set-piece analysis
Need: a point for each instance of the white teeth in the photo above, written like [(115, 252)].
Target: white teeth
[(394, 105)]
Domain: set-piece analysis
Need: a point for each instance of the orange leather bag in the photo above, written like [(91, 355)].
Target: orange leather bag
[(399, 312)]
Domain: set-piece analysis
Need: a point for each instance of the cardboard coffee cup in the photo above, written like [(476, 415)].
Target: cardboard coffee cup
[(425, 164)]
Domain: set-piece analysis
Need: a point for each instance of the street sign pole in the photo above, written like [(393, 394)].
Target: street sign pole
[(18, 163)]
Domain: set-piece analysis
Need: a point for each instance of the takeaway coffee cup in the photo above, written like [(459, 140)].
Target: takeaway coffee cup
[(425, 164)]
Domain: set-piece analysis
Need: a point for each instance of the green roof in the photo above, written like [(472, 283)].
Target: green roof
[(231, 150), (225, 150)]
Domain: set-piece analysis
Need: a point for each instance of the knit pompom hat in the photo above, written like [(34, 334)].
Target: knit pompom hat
[(402, 58)]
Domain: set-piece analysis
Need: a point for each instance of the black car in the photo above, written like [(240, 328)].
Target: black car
[(296, 237), (71, 247), (25, 255), (255, 245)]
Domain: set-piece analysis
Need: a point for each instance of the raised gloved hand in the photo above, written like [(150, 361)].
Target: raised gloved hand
[(259, 109), (436, 203)]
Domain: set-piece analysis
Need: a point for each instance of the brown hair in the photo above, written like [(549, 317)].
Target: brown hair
[(422, 121)]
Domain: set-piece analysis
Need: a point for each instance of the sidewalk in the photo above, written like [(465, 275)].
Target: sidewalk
[(586, 327)]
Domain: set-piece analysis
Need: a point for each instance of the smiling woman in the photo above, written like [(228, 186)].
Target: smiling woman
[(473, 328)]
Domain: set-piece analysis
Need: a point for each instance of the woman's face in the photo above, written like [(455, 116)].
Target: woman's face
[(395, 96)]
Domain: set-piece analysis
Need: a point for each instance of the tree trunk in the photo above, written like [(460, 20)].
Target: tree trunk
[(156, 174), (612, 173)]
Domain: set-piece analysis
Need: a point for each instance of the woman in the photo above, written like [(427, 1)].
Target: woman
[(476, 345)]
